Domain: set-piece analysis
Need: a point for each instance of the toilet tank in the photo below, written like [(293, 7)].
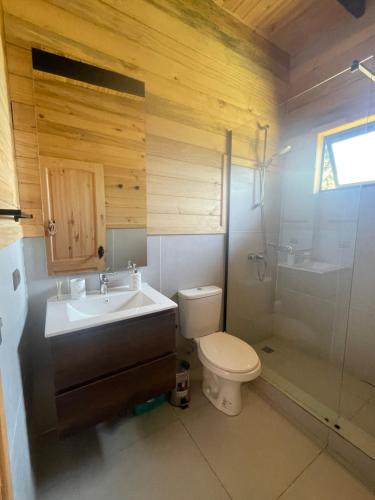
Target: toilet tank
[(199, 310)]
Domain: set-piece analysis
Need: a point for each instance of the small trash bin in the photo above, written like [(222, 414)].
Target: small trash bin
[(180, 395)]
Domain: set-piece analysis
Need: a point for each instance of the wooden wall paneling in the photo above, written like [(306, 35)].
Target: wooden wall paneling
[(9, 230), (333, 50), (164, 79), (321, 37), (344, 99), (112, 134), (63, 107), (296, 25), (148, 14), (115, 21), (187, 192), (194, 90), (182, 205), (26, 145), (21, 89), (194, 19)]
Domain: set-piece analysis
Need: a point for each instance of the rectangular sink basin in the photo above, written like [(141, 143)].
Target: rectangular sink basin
[(67, 315)]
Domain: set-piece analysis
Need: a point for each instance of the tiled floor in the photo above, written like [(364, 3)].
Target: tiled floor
[(321, 389), (195, 454)]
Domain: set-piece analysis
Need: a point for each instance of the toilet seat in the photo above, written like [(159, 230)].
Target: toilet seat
[(228, 354)]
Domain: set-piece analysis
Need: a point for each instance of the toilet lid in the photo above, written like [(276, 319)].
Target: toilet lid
[(228, 352)]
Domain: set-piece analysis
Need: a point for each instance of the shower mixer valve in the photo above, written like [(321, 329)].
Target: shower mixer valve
[(255, 256)]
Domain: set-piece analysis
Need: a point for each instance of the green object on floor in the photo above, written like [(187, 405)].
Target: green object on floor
[(149, 405)]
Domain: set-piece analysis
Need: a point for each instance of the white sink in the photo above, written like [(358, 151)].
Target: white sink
[(96, 305), (67, 315)]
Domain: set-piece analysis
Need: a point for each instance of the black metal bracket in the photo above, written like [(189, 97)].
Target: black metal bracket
[(15, 213), (356, 7)]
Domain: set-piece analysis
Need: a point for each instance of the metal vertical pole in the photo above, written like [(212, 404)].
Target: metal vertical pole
[(228, 137)]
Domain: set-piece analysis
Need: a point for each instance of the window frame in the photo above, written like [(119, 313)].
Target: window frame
[(327, 138)]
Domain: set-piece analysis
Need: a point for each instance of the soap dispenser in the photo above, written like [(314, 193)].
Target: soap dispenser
[(135, 277)]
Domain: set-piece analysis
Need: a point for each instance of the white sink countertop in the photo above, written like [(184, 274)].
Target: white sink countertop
[(67, 315)]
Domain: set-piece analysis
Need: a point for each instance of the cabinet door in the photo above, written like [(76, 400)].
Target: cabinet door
[(74, 211), (107, 397), (87, 355)]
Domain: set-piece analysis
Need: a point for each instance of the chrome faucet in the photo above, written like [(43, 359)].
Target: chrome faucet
[(131, 266), (104, 281)]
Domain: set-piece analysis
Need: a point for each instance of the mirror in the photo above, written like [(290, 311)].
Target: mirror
[(124, 245), (90, 128)]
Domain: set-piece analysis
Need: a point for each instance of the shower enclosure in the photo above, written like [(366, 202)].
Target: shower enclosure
[(310, 311)]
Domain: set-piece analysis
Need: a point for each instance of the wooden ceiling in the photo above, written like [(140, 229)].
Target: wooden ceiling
[(289, 24)]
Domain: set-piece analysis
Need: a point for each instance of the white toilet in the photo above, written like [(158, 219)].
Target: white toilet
[(227, 361)]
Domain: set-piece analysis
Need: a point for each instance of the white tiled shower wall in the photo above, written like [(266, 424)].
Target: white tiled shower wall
[(250, 301), (361, 337)]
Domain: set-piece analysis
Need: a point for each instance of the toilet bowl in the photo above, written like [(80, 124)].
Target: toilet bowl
[(227, 361)]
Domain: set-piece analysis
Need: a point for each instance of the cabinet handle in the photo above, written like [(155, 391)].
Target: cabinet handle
[(101, 252), (52, 227)]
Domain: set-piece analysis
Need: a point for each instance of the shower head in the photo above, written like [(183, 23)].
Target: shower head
[(286, 149)]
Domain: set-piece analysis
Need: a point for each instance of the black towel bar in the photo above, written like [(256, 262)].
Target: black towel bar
[(15, 213)]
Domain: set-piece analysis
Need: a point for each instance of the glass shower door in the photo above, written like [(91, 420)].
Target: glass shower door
[(357, 397), (313, 294), (295, 311)]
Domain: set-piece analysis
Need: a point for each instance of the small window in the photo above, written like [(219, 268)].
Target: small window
[(348, 157)]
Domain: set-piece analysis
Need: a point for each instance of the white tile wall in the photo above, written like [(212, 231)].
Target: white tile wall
[(13, 358), (250, 301)]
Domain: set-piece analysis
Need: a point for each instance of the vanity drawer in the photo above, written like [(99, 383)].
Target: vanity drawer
[(90, 404), (87, 355)]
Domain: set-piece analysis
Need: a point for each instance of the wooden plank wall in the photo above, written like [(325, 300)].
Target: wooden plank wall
[(344, 99), (332, 50), (83, 122), (9, 230), (204, 72), (64, 118)]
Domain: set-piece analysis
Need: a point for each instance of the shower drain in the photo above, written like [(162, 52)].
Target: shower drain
[(267, 349)]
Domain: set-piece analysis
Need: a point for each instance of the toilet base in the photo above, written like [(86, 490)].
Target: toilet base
[(224, 394)]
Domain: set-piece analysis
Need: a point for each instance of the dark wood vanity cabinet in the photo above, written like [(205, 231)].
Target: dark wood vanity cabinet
[(101, 371)]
